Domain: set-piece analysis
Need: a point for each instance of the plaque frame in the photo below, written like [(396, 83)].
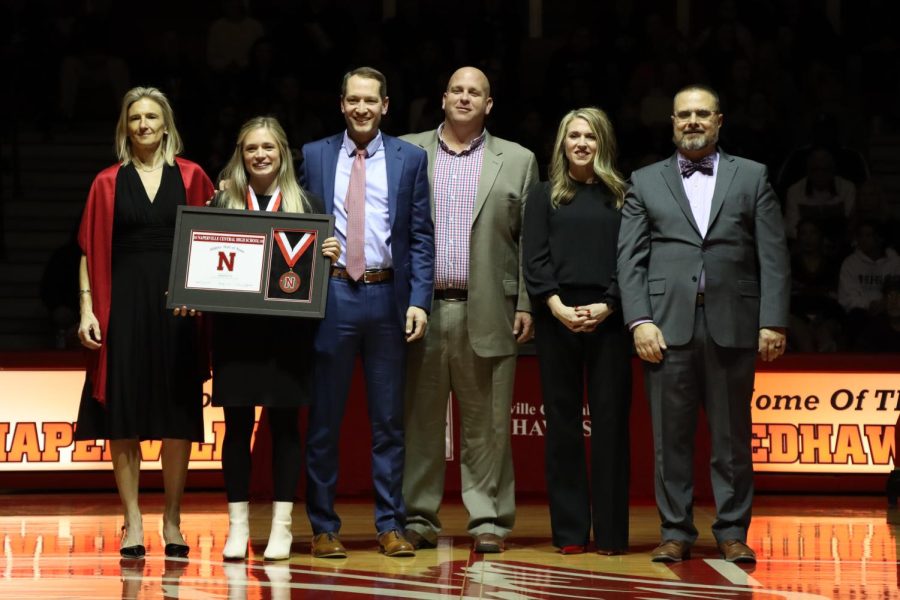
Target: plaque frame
[(208, 243)]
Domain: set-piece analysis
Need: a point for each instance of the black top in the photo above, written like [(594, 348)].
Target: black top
[(574, 245), (814, 288), (263, 360)]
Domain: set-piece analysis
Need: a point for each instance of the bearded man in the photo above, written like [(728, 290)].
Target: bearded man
[(705, 280)]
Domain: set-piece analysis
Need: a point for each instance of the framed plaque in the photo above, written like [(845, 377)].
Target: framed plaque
[(254, 262)]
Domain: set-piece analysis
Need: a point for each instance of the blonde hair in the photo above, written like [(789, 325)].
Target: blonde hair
[(562, 186), (293, 198), (171, 142)]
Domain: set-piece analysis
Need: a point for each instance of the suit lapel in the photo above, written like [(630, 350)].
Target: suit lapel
[(431, 148), (490, 168), (329, 170), (393, 159), (672, 176), (724, 176)]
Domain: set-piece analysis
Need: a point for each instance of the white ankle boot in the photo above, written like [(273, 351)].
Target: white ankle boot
[(238, 530), (280, 538)]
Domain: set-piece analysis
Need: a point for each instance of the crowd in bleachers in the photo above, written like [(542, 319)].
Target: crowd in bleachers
[(803, 91)]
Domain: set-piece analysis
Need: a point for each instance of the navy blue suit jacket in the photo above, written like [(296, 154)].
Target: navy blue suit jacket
[(412, 230)]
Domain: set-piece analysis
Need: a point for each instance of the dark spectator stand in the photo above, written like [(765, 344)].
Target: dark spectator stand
[(355, 478)]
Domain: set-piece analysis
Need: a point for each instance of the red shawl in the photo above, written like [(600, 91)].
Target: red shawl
[(95, 238)]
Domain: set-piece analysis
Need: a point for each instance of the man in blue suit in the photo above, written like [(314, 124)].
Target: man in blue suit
[(379, 296)]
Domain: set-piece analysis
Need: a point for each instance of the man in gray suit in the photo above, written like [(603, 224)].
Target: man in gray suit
[(481, 311), (704, 276)]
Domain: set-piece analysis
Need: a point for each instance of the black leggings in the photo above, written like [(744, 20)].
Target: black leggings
[(286, 452)]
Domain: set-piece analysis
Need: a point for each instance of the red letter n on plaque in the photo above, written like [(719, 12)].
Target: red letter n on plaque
[(226, 262)]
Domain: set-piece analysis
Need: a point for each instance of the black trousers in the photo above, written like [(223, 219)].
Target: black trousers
[(287, 454), (586, 497)]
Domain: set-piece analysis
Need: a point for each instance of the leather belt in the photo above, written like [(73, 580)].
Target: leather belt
[(371, 276), (451, 295), (701, 299)]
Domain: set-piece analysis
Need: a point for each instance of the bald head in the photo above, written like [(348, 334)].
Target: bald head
[(467, 100), (471, 75)]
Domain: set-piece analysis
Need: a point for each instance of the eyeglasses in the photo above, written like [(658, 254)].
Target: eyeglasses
[(702, 115)]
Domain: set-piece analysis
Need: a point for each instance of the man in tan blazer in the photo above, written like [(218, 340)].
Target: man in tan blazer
[(481, 312)]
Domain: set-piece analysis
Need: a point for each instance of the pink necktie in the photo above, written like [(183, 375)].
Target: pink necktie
[(355, 205)]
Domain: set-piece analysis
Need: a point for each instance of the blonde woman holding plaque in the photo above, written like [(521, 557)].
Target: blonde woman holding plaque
[(262, 360)]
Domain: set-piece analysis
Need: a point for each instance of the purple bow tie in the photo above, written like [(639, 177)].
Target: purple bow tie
[(689, 167)]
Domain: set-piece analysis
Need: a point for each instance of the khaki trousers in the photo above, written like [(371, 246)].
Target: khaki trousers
[(442, 362)]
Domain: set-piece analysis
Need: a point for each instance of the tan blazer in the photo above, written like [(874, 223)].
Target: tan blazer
[(496, 286)]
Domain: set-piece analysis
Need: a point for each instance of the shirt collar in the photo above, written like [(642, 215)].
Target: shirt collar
[(473, 145), (349, 146)]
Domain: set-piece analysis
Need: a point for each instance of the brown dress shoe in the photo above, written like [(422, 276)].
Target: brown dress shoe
[(392, 543), (671, 551), (327, 545), (488, 543), (418, 541), (737, 551)]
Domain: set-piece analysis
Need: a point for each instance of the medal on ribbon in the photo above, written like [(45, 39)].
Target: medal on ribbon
[(289, 282), (274, 201)]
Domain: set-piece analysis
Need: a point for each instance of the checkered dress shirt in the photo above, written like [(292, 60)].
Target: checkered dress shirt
[(454, 188)]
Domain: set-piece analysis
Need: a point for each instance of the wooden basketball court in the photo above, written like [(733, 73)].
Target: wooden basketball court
[(66, 546)]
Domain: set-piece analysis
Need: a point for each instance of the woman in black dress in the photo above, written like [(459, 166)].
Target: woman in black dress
[(263, 361), (144, 377), (570, 234)]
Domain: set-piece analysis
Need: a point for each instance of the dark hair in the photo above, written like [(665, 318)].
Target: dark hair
[(701, 87), (874, 225), (809, 221), (367, 73)]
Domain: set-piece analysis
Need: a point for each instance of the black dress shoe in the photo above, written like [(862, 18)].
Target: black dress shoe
[(177, 550), (137, 551)]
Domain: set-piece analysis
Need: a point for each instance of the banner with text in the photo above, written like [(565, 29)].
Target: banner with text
[(37, 423), (803, 422)]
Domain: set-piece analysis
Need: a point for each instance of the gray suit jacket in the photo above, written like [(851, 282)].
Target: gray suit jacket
[(661, 254), (496, 286)]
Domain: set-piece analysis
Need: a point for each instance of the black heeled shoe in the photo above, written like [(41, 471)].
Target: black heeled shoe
[(132, 552), (177, 550), (893, 488)]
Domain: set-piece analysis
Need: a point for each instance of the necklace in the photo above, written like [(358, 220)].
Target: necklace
[(140, 166)]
